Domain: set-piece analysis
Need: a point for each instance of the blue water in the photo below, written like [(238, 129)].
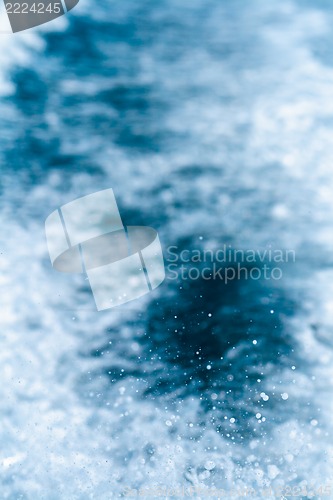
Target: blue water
[(212, 121)]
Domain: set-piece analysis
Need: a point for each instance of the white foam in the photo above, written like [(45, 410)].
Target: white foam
[(5, 27)]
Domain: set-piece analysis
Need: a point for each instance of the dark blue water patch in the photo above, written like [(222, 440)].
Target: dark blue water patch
[(137, 108), (134, 112), (197, 339), (240, 312), (31, 92), (181, 332), (26, 149)]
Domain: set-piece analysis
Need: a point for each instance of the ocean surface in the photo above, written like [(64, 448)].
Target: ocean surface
[(213, 123)]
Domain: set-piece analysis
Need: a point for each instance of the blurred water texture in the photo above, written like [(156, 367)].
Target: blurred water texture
[(212, 122)]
